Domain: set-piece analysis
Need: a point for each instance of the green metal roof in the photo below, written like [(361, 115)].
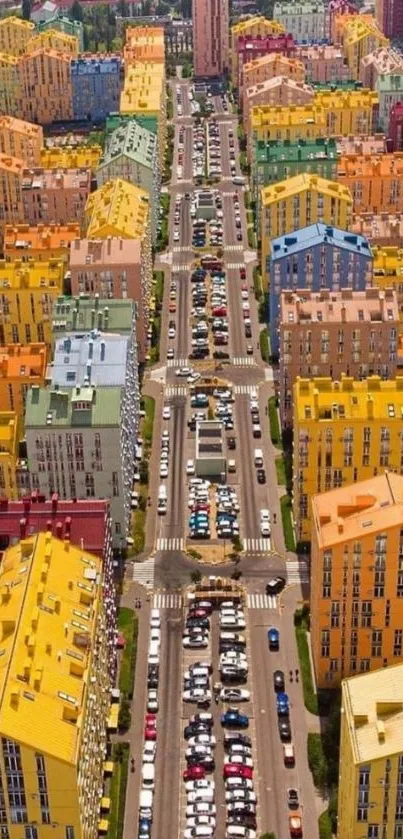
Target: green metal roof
[(76, 313), (276, 151), (56, 408)]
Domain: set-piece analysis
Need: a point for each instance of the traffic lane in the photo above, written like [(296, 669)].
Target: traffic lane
[(187, 156), (246, 467), (174, 524), (183, 327), (185, 100), (273, 778), (236, 327), (186, 225), (165, 821), (229, 224), (224, 142), (269, 453), (138, 716)]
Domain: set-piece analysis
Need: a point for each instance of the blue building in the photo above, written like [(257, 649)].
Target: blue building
[(315, 258), (96, 87)]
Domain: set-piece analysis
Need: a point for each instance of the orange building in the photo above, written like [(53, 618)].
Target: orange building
[(40, 243), (144, 43), (11, 206), (21, 139), (341, 20), (45, 86), (20, 367), (269, 67), (375, 182), (357, 578)]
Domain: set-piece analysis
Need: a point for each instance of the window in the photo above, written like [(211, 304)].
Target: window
[(362, 814), (31, 832), (69, 831), (373, 831)]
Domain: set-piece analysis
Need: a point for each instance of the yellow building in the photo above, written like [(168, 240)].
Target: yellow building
[(15, 35), (348, 112), (71, 157), (27, 293), (40, 243), (118, 209), (9, 448), (253, 26), (56, 626), (21, 139), (344, 432), (356, 543), (11, 204), (361, 37), (52, 39), (388, 270), (10, 92), (144, 95), (371, 755), (299, 202)]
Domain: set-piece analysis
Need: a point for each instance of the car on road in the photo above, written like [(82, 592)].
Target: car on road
[(164, 470), (234, 737), (288, 755), (275, 586), (231, 769), (184, 371), (194, 772), (149, 750), (295, 825), (292, 799), (171, 332), (282, 705), (192, 730), (200, 696), (239, 760), (261, 476), (166, 412), (284, 729), (234, 695), (171, 353), (190, 467), (273, 637), (278, 680), (150, 733), (205, 783)]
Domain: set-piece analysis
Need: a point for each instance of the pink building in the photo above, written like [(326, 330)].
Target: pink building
[(395, 130), (361, 145), (277, 91), (323, 63), (113, 267), (210, 37), (383, 229), (55, 196), (327, 334), (339, 7), (256, 46)]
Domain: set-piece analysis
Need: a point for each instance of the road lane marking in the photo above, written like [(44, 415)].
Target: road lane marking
[(163, 600), (175, 390), (243, 361), (171, 543), (297, 571), (177, 362), (261, 545), (143, 572), (261, 601)]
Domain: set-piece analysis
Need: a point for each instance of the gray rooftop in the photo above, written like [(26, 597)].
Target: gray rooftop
[(94, 358)]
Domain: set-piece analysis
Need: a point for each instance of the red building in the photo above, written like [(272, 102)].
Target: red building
[(389, 17), (395, 130)]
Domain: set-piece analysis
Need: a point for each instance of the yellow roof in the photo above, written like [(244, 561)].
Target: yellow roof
[(31, 275), (246, 27), (71, 157), (278, 116), (9, 437), (323, 400), (47, 634), (373, 706), (304, 183), (356, 29), (118, 208), (54, 39)]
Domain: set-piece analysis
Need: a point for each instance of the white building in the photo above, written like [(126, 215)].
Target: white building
[(305, 21)]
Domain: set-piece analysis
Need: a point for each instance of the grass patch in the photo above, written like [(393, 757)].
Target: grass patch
[(257, 284), (138, 531), (128, 626), (117, 791), (251, 238), (325, 826), (148, 420), (301, 628), (286, 518), (280, 470), (274, 423), (264, 345), (158, 288), (317, 761)]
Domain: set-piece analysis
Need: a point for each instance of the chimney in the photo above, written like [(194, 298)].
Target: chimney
[(103, 348), (370, 407), (89, 367), (23, 528), (59, 529), (96, 300)]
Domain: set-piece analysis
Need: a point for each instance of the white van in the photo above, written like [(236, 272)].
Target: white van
[(162, 500), (146, 804), (232, 622), (231, 466), (258, 458), (238, 180), (148, 775)]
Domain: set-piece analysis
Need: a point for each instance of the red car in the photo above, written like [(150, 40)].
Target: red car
[(220, 311), (198, 613), (235, 770), (242, 273), (235, 196), (244, 287), (150, 733), (204, 507), (151, 720), (193, 773)]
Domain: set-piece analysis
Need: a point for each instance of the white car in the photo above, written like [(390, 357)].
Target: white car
[(184, 371), (190, 467), (264, 529), (198, 695), (196, 821), (265, 516), (155, 619), (201, 808), (199, 783), (234, 784), (234, 695), (198, 642), (194, 377), (240, 760), (152, 701), (199, 832), (166, 412), (155, 634), (176, 236), (149, 750), (163, 470), (200, 795), (171, 332), (203, 740)]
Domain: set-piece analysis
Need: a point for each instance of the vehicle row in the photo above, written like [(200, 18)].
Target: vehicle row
[(145, 815), (177, 213)]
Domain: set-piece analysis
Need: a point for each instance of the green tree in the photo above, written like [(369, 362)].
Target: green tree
[(26, 9), (76, 11), (195, 576), (186, 71)]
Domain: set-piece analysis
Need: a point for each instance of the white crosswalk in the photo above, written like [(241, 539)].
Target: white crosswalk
[(261, 601), (297, 571), (235, 265), (256, 545), (228, 194), (244, 389), (177, 362), (181, 248), (232, 248), (246, 361), (175, 390), (171, 543), (167, 601), (186, 267), (143, 572)]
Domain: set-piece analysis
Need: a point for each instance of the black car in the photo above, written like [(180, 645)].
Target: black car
[(278, 680), (194, 730), (261, 476), (152, 681), (275, 585), (220, 354), (232, 676), (228, 646), (230, 739), (204, 623), (284, 729), (201, 760), (246, 820), (248, 331), (201, 352), (231, 443)]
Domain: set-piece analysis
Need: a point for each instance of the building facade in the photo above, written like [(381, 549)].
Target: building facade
[(39, 244), (388, 270), (45, 86), (249, 49), (71, 157), (306, 22), (21, 139), (10, 435), (279, 91), (21, 366), (356, 539), (324, 63), (95, 85), (395, 129), (253, 27), (210, 37), (344, 432), (375, 182), (269, 67), (360, 36), (332, 333), (55, 196), (388, 15), (28, 291), (380, 230)]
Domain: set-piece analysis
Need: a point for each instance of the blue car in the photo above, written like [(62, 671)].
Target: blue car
[(198, 520), (144, 829), (273, 637), (233, 719), (283, 708)]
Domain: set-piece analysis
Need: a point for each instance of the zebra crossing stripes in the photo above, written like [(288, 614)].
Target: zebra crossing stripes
[(171, 543), (185, 267), (246, 361), (232, 248), (181, 248), (167, 601), (177, 362), (143, 573), (261, 601), (175, 390), (256, 545), (244, 389), (297, 571), (235, 265)]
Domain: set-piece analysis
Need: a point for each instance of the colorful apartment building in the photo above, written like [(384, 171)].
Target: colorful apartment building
[(348, 112), (15, 35), (21, 366), (360, 38), (53, 39), (375, 182), (344, 432), (120, 209), (11, 205), (276, 161), (62, 23), (55, 196), (114, 268), (324, 63), (277, 91), (64, 587), (144, 98), (383, 71), (131, 153), (371, 753), (95, 86), (389, 18), (341, 21), (21, 139), (297, 203), (71, 157), (318, 332), (251, 28), (10, 93), (45, 86), (269, 67), (85, 313), (315, 258), (388, 269), (361, 145), (250, 48), (89, 422), (339, 7), (356, 540), (306, 22), (395, 128), (143, 44), (10, 435), (28, 290), (383, 229), (40, 243), (292, 124)]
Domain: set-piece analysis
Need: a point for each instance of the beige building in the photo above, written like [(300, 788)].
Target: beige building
[(270, 66), (276, 91), (330, 333), (21, 139), (383, 229), (58, 197)]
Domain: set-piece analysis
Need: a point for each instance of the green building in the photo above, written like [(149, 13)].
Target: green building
[(84, 313)]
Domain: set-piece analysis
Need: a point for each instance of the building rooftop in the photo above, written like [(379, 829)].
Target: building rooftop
[(42, 179), (339, 99), (373, 705), (47, 627), (78, 406), (358, 28), (274, 58), (388, 261), (265, 43), (306, 8), (95, 64), (278, 81), (276, 151), (9, 433), (54, 39), (20, 126), (96, 358), (383, 60), (245, 27), (370, 306), (323, 400), (111, 251), (118, 208), (73, 157), (385, 228), (361, 145), (22, 237), (302, 183), (319, 52), (88, 313), (358, 509), (23, 362), (131, 141), (318, 234), (31, 275), (368, 166), (280, 116)]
